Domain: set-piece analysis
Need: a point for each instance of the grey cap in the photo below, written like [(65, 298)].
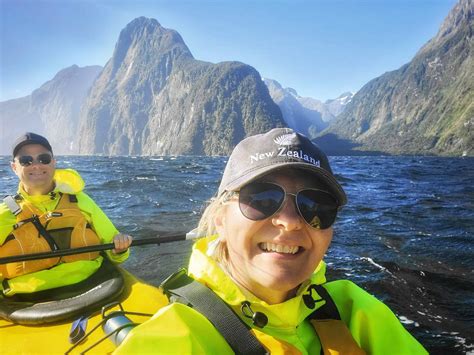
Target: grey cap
[(30, 138), (279, 148)]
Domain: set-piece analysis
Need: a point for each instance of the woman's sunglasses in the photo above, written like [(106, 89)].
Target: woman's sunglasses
[(27, 160), (261, 200)]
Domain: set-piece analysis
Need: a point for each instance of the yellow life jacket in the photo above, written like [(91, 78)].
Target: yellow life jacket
[(295, 326), (35, 232), (333, 333)]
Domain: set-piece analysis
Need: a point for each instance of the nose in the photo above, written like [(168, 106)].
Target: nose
[(35, 163), (288, 217)]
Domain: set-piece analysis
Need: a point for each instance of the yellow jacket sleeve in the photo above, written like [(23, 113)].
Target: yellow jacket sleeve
[(101, 224), (7, 221), (372, 324), (175, 329)]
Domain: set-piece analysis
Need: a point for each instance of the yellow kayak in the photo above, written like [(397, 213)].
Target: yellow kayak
[(53, 337)]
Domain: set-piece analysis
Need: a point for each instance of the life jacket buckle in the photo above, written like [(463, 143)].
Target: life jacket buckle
[(12, 205), (18, 225)]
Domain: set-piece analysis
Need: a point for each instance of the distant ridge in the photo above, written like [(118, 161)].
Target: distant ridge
[(305, 114), (52, 110), (426, 106)]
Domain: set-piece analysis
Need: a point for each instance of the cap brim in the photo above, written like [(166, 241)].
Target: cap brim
[(328, 179)]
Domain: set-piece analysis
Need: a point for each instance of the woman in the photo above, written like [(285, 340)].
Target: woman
[(268, 230)]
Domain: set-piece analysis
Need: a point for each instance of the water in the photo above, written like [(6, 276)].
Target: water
[(405, 236)]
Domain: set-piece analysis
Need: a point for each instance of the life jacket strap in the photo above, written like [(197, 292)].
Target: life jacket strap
[(333, 333), (183, 289), (44, 233), (335, 337), (327, 310)]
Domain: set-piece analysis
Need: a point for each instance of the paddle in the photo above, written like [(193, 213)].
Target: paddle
[(100, 247)]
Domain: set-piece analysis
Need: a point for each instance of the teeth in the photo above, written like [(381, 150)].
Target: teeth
[(284, 249)]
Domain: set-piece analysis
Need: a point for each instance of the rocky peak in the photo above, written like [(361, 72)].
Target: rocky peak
[(460, 15), (140, 25), (69, 71), (144, 35), (426, 105), (293, 92), (153, 97), (79, 78), (338, 105), (459, 19), (345, 98)]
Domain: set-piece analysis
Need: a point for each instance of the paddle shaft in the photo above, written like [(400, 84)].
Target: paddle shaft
[(93, 248)]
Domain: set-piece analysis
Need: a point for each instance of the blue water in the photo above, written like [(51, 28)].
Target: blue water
[(406, 234)]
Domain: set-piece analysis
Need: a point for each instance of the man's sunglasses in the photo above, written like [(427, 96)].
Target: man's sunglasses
[(261, 200), (27, 160)]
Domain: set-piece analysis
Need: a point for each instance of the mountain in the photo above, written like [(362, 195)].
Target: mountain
[(426, 106), (305, 114), (52, 110), (338, 105), (296, 116), (154, 98)]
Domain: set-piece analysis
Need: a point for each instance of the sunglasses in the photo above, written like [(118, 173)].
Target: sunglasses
[(27, 160), (261, 200)]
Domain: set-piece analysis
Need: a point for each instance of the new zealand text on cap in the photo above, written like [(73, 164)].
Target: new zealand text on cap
[(30, 138), (279, 148)]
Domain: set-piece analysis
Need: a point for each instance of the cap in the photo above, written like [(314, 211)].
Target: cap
[(279, 148), (30, 138)]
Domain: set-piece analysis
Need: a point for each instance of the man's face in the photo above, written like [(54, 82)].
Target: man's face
[(36, 178)]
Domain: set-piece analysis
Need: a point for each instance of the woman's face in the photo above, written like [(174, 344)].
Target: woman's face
[(262, 254)]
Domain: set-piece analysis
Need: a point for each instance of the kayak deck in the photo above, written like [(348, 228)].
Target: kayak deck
[(53, 338)]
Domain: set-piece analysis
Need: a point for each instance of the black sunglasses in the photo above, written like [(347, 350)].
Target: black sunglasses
[(27, 160), (261, 200)]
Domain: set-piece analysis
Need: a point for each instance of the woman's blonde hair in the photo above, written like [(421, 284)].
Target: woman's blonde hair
[(207, 226)]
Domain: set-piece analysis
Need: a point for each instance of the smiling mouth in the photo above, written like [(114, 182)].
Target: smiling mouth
[(278, 248)]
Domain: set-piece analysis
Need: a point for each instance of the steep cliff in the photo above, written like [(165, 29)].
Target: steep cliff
[(426, 106), (52, 110), (154, 98)]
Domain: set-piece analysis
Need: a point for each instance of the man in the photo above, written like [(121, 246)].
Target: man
[(50, 212)]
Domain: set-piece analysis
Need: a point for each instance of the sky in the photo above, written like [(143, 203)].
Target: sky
[(321, 48)]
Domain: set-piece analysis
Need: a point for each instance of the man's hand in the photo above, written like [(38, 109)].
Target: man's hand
[(121, 243)]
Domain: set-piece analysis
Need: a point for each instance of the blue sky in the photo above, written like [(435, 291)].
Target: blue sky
[(321, 48)]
